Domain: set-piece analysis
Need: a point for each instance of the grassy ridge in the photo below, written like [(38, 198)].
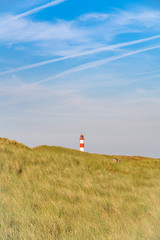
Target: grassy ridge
[(52, 193)]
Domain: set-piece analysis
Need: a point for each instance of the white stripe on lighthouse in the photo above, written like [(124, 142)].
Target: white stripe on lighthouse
[(82, 149)]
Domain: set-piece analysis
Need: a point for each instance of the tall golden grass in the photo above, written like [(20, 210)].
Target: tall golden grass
[(53, 193)]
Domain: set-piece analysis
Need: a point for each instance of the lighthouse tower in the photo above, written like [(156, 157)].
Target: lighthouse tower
[(82, 143)]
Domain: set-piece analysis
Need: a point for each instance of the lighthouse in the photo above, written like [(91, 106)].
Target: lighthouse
[(82, 143)]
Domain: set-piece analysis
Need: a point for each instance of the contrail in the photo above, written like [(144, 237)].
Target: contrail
[(89, 52), (96, 63), (147, 72), (37, 9)]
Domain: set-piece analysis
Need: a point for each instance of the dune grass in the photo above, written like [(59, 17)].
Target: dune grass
[(53, 193)]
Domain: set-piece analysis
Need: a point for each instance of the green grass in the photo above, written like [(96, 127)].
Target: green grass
[(53, 193)]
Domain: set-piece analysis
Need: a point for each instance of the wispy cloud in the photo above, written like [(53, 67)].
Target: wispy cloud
[(92, 16), (58, 37), (94, 51), (93, 64), (15, 91), (24, 30), (145, 18), (141, 91)]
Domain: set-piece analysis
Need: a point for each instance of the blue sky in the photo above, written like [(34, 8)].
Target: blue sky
[(72, 67)]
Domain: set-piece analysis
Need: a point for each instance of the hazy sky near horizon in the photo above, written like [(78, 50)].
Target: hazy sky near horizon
[(69, 67)]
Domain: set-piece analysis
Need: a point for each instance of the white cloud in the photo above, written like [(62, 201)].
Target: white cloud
[(15, 91), (94, 16), (139, 19), (16, 29), (141, 91), (23, 30), (59, 38)]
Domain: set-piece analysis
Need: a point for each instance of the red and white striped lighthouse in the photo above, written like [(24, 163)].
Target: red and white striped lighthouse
[(82, 143)]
